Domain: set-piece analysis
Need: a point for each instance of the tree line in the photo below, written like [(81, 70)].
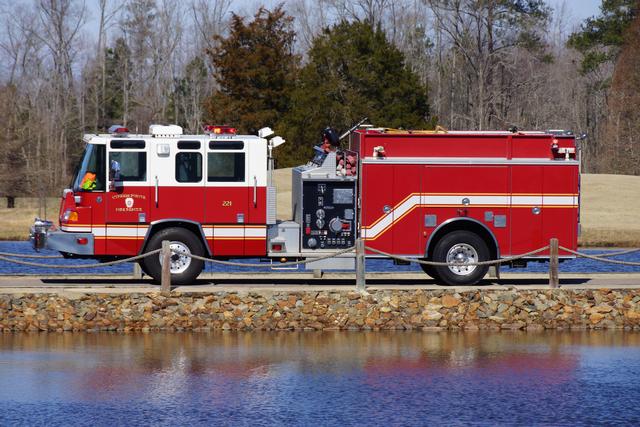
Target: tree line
[(71, 67)]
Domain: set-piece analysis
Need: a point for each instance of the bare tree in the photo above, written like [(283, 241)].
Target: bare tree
[(209, 19)]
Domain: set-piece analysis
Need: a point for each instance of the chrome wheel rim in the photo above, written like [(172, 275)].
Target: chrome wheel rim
[(180, 262), (460, 255)]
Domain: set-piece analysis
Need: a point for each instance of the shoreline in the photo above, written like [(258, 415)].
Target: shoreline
[(507, 308)]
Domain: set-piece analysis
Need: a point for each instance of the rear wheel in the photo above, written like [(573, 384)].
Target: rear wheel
[(184, 269), (460, 248)]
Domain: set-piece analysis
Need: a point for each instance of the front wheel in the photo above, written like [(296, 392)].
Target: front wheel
[(184, 269), (459, 248), (430, 270)]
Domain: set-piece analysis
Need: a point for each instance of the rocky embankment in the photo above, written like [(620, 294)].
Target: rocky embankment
[(272, 310)]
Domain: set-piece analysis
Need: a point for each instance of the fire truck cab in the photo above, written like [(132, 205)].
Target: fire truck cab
[(457, 197), (207, 194)]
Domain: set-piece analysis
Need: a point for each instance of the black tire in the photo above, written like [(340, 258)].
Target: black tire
[(178, 236), (467, 243), (143, 267), (430, 270)]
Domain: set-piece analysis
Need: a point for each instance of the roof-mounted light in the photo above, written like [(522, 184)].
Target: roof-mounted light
[(276, 141), (118, 129), (219, 130), (265, 132), (160, 130)]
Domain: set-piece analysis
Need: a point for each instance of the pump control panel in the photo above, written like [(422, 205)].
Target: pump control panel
[(328, 214)]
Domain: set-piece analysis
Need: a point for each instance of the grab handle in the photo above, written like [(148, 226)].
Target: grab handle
[(255, 192)]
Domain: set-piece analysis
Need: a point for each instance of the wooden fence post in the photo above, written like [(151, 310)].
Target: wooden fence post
[(360, 270), (165, 278), (554, 280), (137, 271)]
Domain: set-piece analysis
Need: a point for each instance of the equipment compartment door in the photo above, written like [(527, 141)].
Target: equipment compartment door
[(560, 205), (526, 209), (406, 230), (377, 204), (477, 193)]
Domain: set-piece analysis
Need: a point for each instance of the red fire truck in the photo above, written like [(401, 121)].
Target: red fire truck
[(447, 196)]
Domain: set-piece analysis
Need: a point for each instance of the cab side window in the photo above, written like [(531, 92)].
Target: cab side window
[(189, 167), (133, 164), (225, 167)]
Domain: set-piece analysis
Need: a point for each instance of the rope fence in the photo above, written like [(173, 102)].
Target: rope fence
[(360, 249), (96, 265), (600, 258), (466, 264), (30, 256)]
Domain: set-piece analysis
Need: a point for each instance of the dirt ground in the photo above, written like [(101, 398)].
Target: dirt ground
[(610, 210)]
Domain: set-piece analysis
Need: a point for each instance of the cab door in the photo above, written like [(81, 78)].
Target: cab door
[(127, 196), (176, 172), (255, 231), (227, 195)]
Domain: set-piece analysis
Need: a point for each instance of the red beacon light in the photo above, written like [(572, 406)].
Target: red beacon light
[(219, 130), (118, 129)]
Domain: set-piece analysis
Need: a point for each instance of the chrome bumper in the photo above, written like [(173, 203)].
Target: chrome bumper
[(41, 236)]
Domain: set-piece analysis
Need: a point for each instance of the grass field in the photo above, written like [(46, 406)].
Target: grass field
[(610, 210), (610, 213)]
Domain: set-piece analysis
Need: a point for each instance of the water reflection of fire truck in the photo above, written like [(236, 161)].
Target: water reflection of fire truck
[(458, 197)]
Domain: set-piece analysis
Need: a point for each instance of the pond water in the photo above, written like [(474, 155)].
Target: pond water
[(581, 265), (321, 378)]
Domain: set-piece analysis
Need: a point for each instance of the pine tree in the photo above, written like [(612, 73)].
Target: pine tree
[(353, 72), (255, 68), (600, 38)]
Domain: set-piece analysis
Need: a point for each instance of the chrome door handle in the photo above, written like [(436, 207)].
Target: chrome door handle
[(156, 191), (255, 192)]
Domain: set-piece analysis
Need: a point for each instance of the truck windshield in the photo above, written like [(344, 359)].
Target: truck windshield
[(90, 176)]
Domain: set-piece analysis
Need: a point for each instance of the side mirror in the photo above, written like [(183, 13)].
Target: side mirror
[(114, 174)]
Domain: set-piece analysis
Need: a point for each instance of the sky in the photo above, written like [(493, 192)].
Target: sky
[(578, 10)]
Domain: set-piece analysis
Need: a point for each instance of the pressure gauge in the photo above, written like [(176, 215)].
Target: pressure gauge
[(335, 225)]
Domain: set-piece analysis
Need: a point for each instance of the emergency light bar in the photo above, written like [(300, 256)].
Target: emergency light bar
[(118, 129), (219, 130)]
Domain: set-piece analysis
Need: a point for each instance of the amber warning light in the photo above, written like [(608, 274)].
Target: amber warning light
[(219, 130)]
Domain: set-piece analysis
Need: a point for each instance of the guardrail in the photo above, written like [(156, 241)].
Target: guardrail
[(165, 252)]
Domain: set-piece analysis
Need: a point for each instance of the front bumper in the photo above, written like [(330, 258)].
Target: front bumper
[(41, 236)]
